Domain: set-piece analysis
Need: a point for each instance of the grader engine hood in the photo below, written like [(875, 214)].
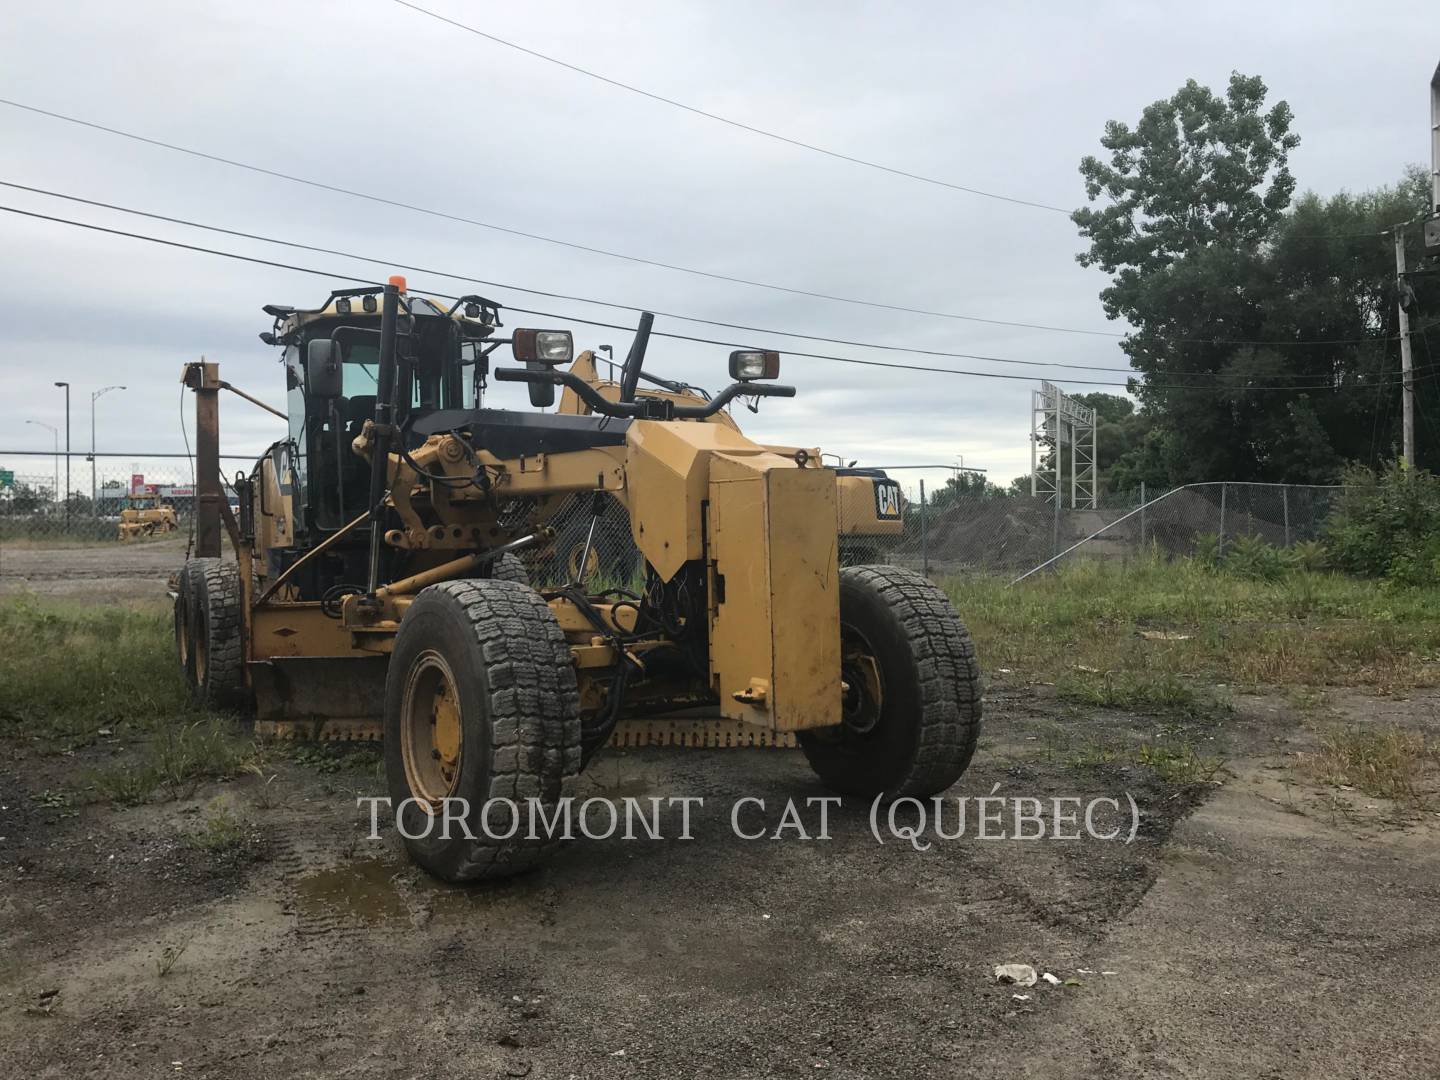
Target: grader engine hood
[(767, 534)]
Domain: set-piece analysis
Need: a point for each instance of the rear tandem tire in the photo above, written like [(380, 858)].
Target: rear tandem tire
[(481, 704), (898, 630), (184, 623), (216, 635)]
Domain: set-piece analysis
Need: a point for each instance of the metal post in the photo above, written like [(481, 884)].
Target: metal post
[(204, 379), (55, 461), (94, 490), (1285, 509), (924, 537), (66, 385), (1221, 550), (384, 421), (1407, 387), (1074, 457), (1142, 516)]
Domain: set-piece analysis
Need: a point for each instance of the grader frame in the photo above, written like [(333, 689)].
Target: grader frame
[(745, 631)]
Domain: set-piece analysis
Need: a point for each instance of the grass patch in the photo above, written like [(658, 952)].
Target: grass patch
[(335, 757), (1148, 623), (1387, 762), (221, 833), (69, 670), (1175, 762), (175, 761), (1148, 692), (1179, 764)]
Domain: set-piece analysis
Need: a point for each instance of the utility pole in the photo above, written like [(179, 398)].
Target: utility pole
[(94, 494), (55, 462), (66, 385), (1407, 386)]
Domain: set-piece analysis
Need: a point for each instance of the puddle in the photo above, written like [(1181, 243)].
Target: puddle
[(361, 891)]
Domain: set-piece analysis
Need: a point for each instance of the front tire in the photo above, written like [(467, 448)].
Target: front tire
[(508, 567), (911, 714), (481, 704)]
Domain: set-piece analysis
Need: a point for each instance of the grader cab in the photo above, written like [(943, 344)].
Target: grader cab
[(376, 590)]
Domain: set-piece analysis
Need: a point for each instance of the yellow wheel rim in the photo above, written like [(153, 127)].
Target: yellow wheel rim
[(432, 738)]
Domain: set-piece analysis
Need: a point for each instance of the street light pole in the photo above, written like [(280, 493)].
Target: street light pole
[(94, 493), (66, 385), (55, 462)]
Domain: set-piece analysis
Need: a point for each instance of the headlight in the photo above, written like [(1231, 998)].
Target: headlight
[(543, 346), (749, 364)]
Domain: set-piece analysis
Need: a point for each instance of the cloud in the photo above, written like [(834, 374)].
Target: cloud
[(375, 98)]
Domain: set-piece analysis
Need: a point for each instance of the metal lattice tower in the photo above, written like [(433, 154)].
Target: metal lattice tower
[(1057, 421)]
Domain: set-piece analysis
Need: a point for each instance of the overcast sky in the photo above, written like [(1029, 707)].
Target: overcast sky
[(370, 96)]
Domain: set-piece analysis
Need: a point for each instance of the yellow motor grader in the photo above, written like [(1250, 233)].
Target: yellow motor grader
[(145, 514), (376, 589)]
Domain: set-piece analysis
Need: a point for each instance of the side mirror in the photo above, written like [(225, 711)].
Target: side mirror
[(324, 374), (749, 364), (542, 395)]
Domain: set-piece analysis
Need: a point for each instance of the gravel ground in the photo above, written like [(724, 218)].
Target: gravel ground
[(101, 572), (1250, 930), (1259, 927)]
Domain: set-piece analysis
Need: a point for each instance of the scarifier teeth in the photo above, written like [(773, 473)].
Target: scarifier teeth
[(702, 734), (628, 734)]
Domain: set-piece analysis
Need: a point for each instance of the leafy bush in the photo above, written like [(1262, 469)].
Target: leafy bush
[(1207, 550), (1387, 524), (1252, 557), (1309, 556)]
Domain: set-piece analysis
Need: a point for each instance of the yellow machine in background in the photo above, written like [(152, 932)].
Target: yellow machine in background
[(145, 515), (376, 591)]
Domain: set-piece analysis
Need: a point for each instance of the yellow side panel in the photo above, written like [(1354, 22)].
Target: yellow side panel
[(772, 537), (805, 596), (740, 630), (665, 482)]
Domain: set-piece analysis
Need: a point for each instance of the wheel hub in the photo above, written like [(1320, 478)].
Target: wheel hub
[(864, 696), (431, 733)]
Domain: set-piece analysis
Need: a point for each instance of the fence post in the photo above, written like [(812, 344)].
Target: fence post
[(1055, 531), (924, 545), (1285, 507), (1220, 550), (1142, 517)]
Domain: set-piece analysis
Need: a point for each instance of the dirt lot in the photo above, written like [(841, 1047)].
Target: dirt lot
[(99, 572), (1260, 926)]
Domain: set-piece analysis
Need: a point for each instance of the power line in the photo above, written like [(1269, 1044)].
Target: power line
[(446, 216), (711, 275), (788, 140), (615, 326), (837, 155), (395, 264)]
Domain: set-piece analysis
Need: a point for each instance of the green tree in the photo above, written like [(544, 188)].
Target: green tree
[(964, 486), (1192, 222)]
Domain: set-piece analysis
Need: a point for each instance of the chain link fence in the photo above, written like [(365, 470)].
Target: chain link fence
[(155, 496), (878, 521), (1021, 534)]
